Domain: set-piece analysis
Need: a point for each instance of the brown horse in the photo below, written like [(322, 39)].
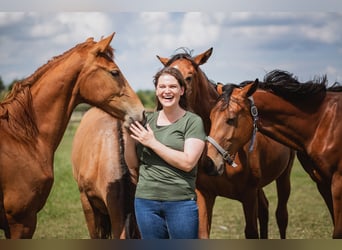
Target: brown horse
[(106, 183), (34, 117), (269, 160), (304, 116)]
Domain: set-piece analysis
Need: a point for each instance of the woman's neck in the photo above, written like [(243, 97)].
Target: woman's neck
[(170, 115)]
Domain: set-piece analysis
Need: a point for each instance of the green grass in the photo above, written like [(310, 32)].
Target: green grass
[(62, 216), (308, 216)]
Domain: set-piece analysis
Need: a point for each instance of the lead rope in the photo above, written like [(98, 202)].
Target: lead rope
[(254, 113)]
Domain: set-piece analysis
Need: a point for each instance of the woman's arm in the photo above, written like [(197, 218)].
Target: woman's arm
[(185, 160)]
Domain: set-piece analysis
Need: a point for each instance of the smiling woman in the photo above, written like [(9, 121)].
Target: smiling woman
[(168, 151)]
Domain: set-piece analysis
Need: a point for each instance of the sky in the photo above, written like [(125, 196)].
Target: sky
[(246, 44)]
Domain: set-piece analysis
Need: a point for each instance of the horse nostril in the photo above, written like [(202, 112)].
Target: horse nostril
[(210, 168)]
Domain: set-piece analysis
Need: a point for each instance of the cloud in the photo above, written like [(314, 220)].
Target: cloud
[(246, 44)]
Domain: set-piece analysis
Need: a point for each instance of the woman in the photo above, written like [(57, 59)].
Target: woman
[(168, 151)]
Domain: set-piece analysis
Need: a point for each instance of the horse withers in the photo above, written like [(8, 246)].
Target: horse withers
[(34, 117)]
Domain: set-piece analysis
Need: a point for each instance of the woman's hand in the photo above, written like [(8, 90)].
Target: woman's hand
[(183, 160), (143, 135)]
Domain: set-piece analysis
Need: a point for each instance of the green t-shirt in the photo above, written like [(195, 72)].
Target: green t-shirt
[(157, 179)]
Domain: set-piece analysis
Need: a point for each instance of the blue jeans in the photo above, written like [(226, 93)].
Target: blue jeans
[(167, 219)]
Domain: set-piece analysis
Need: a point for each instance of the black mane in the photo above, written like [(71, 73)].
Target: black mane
[(186, 54), (284, 84)]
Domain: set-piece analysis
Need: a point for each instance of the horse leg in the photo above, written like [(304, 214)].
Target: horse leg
[(21, 207), (263, 214), (323, 187), (336, 189), (250, 209), (89, 214), (205, 204), (283, 191), (22, 228)]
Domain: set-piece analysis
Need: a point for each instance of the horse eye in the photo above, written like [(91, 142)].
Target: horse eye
[(188, 79), (115, 72), (230, 121)]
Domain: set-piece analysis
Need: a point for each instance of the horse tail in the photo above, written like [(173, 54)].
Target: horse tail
[(103, 226), (131, 228)]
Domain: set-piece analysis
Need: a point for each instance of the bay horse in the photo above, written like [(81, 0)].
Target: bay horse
[(33, 119), (302, 115), (269, 160)]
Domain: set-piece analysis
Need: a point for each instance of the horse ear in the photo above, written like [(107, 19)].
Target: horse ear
[(102, 45), (219, 88), (250, 88), (203, 58), (163, 60)]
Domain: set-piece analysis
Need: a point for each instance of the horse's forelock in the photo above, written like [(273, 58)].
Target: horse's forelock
[(110, 52), (182, 56), (227, 91)]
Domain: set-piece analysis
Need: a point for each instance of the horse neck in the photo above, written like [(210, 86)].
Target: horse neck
[(282, 120), (203, 99), (54, 99)]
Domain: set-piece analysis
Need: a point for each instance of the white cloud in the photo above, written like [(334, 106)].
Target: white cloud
[(156, 21), (245, 43), (199, 29), (10, 17)]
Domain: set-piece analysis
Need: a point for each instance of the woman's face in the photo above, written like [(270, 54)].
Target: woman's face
[(168, 90)]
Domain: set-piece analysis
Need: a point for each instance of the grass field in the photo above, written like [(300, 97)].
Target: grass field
[(62, 217)]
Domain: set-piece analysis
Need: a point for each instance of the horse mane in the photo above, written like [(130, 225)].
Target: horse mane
[(336, 87), (16, 110), (18, 113), (186, 54), (286, 85)]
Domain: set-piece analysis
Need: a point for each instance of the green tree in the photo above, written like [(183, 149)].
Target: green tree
[(10, 86), (2, 85), (2, 89), (147, 97)]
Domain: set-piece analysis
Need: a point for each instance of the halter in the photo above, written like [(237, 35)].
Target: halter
[(254, 113), (225, 154)]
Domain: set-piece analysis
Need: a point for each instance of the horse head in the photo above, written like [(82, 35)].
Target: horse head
[(102, 84), (198, 88), (231, 125), (189, 67)]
